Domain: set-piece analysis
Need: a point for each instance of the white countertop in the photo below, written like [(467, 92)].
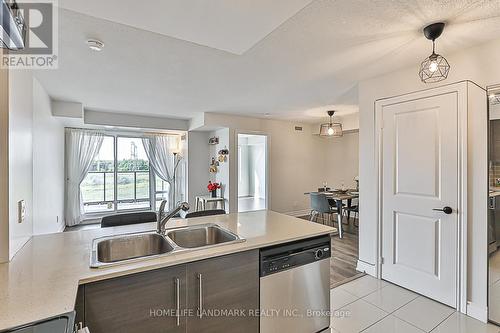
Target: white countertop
[(42, 280)]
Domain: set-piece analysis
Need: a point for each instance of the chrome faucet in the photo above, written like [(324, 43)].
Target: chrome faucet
[(162, 221)]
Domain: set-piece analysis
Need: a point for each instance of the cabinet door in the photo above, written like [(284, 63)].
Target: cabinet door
[(143, 302), (226, 290)]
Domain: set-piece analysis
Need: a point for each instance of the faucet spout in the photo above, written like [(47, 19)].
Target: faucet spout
[(162, 221)]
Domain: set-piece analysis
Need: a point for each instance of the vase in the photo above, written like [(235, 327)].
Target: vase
[(214, 193)]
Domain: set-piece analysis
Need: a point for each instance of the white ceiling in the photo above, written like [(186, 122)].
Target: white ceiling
[(229, 25), (308, 64)]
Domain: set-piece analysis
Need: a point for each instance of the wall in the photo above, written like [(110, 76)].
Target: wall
[(48, 165), (479, 64), (222, 176), (4, 164), (198, 161), (296, 159), (20, 157), (342, 160)]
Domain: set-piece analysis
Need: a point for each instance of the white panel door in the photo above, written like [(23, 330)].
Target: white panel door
[(419, 175)]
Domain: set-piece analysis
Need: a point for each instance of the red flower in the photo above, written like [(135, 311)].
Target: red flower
[(213, 186)]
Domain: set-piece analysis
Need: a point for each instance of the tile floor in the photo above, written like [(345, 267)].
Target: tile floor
[(494, 286), (369, 305)]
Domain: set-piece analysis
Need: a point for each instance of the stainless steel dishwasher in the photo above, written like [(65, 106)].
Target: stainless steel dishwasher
[(295, 287)]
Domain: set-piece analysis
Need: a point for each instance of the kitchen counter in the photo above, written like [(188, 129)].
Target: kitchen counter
[(43, 278)]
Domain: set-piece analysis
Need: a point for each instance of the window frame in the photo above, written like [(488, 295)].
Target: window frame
[(152, 179)]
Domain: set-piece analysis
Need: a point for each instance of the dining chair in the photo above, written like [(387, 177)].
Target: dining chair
[(320, 205), (116, 220), (209, 212)]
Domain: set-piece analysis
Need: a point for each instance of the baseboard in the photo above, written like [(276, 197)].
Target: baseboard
[(478, 312), (367, 268), (299, 213)]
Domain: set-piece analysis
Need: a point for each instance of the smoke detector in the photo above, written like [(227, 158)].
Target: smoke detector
[(95, 44)]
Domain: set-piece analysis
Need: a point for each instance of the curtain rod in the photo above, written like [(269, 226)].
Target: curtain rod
[(104, 130)]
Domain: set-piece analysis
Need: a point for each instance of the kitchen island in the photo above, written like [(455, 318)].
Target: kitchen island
[(43, 279)]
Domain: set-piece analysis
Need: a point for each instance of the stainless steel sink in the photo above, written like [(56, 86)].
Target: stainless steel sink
[(120, 248), (201, 236)]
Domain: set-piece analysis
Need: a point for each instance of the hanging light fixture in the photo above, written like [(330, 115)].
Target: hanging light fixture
[(435, 68), (331, 129)]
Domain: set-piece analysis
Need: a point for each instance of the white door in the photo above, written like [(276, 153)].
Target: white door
[(419, 175)]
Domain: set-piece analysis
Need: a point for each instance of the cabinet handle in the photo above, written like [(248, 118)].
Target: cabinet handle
[(178, 301), (200, 295)]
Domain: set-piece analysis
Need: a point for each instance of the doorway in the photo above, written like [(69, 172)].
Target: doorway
[(252, 172), (421, 162)]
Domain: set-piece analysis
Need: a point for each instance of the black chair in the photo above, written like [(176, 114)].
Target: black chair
[(201, 213), (127, 218), (323, 189)]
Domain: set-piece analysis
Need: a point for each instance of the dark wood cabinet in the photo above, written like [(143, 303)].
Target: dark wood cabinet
[(226, 288), (224, 294), (144, 302)]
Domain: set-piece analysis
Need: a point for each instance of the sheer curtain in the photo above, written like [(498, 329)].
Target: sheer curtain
[(82, 146), (160, 150)]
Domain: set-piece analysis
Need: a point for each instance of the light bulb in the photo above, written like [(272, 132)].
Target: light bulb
[(433, 66), (330, 131)]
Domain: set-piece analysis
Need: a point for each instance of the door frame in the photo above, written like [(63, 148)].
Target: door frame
[(268, 168), (461, 90)]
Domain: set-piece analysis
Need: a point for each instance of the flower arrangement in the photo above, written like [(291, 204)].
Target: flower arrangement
[(213, 187)]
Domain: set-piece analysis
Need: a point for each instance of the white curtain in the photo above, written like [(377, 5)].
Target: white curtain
[(160, 150), (82, 146)]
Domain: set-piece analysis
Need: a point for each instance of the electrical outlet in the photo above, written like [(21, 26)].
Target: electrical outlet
[(21, 211)]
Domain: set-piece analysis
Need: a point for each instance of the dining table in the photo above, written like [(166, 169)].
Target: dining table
[(339, 197)]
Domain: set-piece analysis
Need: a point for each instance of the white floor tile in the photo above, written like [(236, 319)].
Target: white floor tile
[(363, 286), (355, 317), (339, 298), (459, 323), (424, 313), (494, 302), (391, 324), (390, 298)]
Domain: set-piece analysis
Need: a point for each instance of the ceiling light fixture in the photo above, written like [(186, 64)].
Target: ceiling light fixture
[(95, 44), (435, 68), (331, 129)]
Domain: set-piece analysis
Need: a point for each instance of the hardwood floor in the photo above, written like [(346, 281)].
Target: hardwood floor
[(344, 255)]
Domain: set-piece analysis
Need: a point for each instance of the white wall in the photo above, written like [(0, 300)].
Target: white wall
[(20, 157), (297, 159), (479, 64), (4, 164), (198, 162), (48, 165), (222, 176), (243, 168), (342, 160)]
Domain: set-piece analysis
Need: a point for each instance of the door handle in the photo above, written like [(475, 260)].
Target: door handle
[(178, 301), (200, 295), (447, 210)]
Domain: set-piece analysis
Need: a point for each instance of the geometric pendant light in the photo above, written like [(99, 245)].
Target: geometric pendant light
[(331, 129), (435, 68)]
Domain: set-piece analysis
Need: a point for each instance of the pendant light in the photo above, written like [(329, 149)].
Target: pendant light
[(435, 68), (331, 129)]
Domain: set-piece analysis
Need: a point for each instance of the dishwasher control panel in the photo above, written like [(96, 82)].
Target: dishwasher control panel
[(287, 256)]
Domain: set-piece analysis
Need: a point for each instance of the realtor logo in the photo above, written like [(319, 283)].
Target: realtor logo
[(40, 39)]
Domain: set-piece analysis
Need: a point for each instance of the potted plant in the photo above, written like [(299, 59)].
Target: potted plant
[(212, 188)]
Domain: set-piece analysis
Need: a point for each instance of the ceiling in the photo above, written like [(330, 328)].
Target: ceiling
[(289, 59), (228, 25)]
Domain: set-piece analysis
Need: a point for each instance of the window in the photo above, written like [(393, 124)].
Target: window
[(98, 187), (120, 178)]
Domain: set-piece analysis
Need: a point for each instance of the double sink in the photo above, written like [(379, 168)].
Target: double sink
[(112, 250)]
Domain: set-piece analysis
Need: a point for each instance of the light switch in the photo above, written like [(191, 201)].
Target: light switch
[(21, 211)]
